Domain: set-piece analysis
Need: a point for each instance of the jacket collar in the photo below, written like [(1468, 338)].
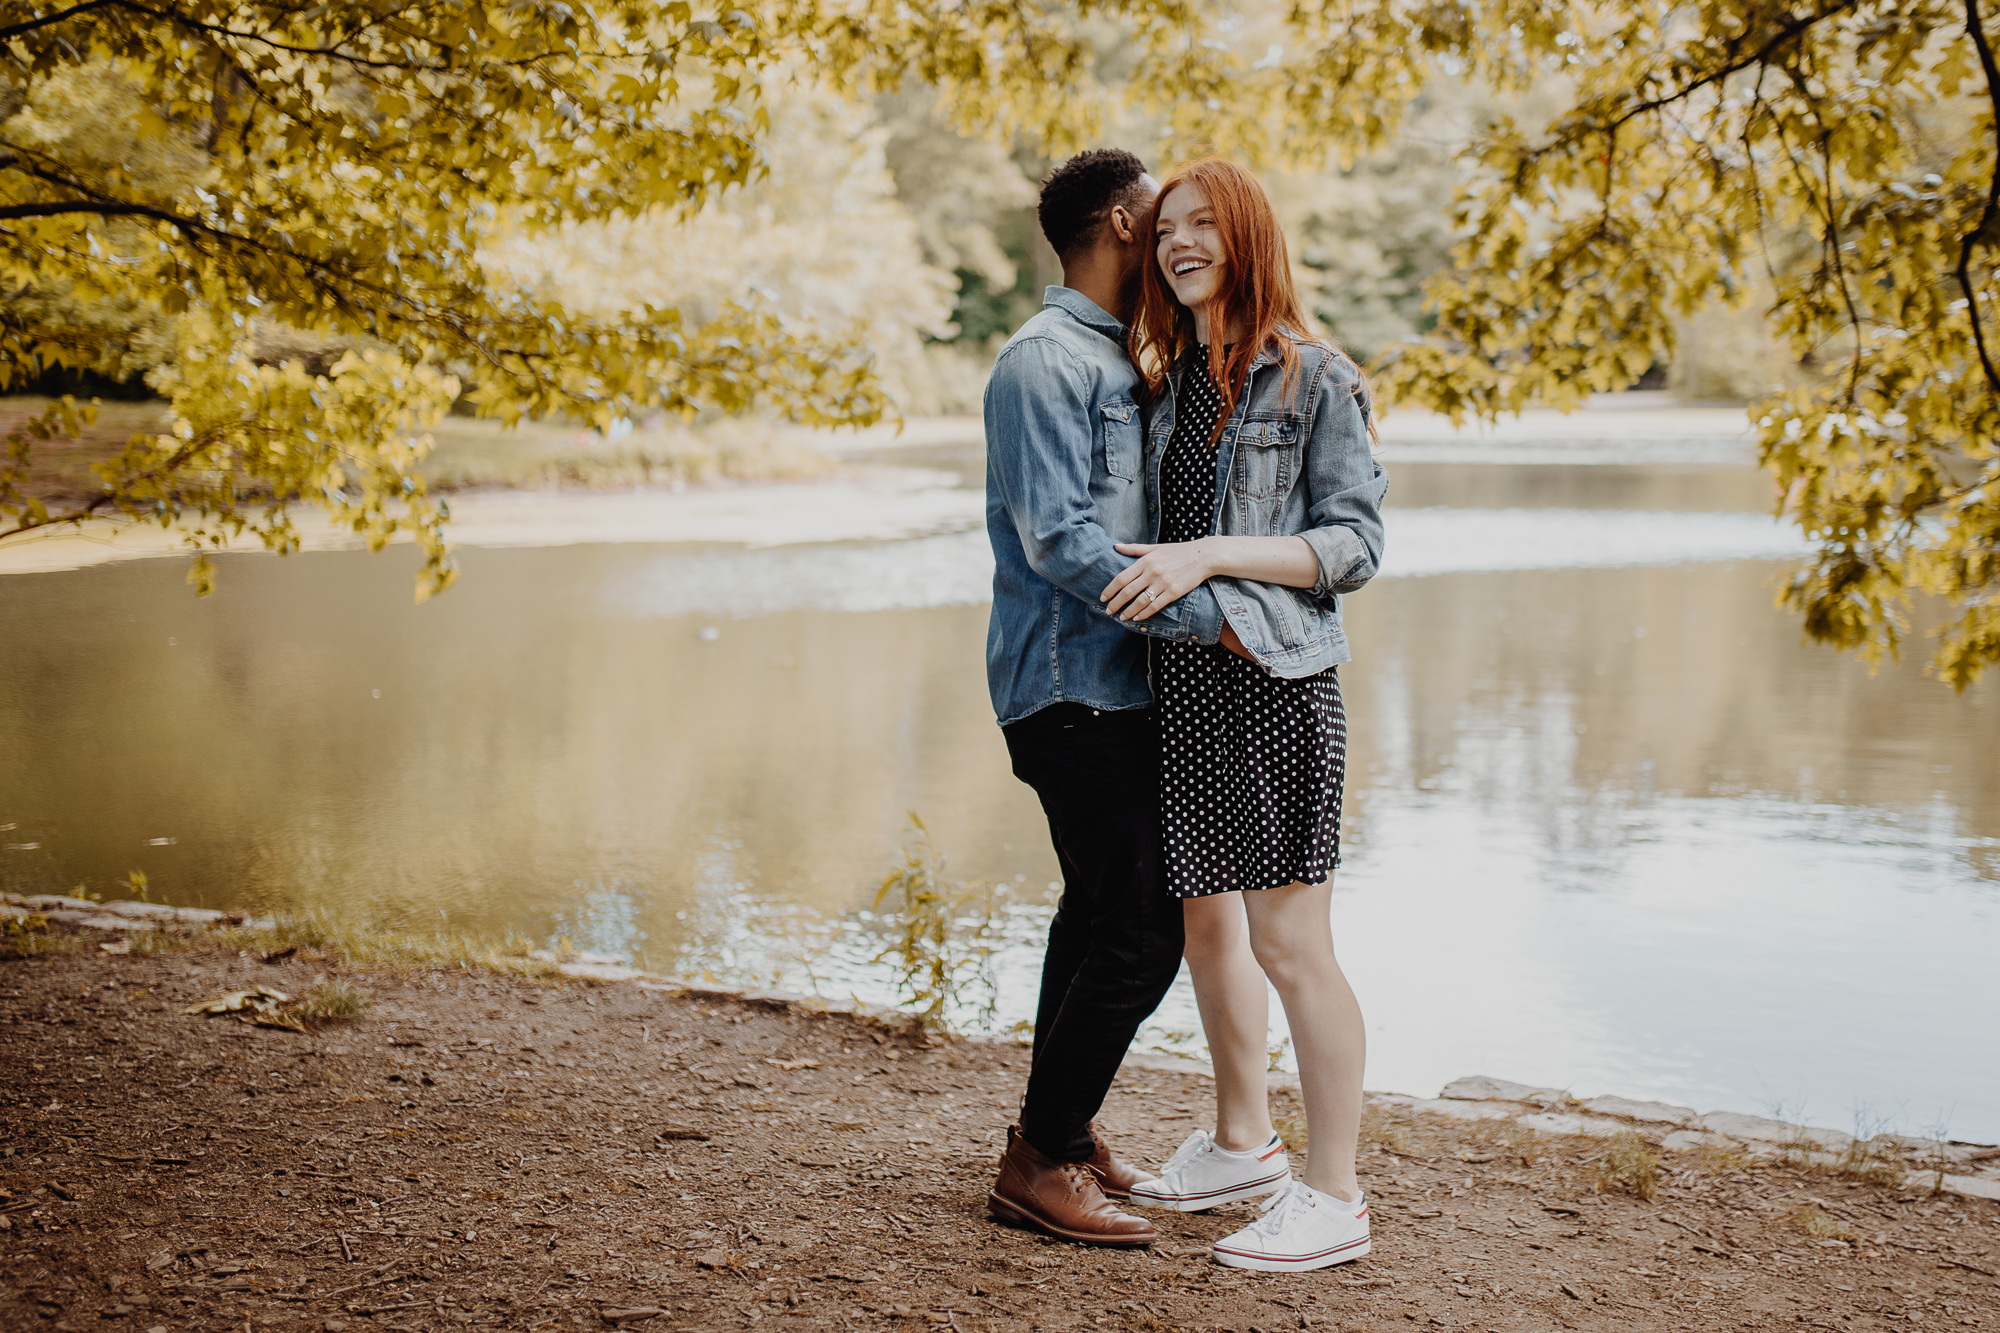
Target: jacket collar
[(1264, 357), (1084, 311)]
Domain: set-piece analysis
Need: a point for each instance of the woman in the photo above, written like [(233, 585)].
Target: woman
[(1262, 481)]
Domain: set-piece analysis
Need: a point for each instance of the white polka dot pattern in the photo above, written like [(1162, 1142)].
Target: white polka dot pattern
[(1252, 765)]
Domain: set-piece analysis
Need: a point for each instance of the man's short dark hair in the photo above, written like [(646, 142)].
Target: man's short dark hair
[(1079, 194)]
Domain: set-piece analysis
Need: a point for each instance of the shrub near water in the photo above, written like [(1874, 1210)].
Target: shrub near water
[(1628, 1164), (26, 936), (333, 1002), (944, 945)]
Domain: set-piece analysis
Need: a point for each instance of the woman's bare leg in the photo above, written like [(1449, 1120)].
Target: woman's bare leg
[(1291, 935), (1235, 1008)]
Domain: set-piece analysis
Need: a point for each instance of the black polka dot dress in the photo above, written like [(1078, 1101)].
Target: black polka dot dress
[(1253, 765)]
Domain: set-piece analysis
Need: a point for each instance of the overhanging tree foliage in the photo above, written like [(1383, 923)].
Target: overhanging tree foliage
[(1838, 154), (336, 168)]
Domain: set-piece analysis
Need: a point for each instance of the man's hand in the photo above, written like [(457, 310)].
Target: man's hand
[(1232, 643), (1162, 576)]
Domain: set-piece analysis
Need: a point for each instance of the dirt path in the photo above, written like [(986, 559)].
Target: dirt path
[(490, 1153)]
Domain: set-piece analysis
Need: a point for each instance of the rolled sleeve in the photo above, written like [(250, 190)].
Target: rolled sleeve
[(1346, 486)]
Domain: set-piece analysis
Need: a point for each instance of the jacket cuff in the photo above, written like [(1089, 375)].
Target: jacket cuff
[(1202, 615), (1343, 559)]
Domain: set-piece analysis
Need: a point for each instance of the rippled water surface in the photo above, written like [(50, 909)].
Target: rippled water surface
[(1610, 824)]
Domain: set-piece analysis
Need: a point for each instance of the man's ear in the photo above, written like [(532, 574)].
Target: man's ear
[(1123, 225)]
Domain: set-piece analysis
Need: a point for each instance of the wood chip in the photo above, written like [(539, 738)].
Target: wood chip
[(1972, 1268)]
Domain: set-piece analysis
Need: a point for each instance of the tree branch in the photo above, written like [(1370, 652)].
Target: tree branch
[(58, 209), (335, 51), (13, 30), (1786, 32), (1989, 216)]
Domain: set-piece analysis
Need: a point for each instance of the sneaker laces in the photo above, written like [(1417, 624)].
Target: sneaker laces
[(1279, 1208), (1191, 1147)]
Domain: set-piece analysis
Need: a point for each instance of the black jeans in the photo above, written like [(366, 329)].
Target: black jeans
[(1115, 943)]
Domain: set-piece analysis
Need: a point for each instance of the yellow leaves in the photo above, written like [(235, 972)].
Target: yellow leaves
[(1818, 145), (1819, 160), (630, 91)]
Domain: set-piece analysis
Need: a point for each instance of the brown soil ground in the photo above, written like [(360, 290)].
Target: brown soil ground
[(489, 1152)]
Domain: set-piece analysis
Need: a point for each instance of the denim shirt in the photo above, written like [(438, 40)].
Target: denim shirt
[(1064, 453), (1293, 460)]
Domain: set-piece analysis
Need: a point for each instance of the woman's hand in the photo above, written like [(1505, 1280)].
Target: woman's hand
[(1162, 576)]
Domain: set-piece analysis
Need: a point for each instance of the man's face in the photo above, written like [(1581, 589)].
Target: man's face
[(1138, 251)]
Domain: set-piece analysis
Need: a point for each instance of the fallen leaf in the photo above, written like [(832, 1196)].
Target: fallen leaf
[(790, 1065), (632, 1315), (673, 1132), (235, 1002)]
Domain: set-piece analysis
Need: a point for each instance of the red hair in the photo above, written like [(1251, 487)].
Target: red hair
[(1257, 295)]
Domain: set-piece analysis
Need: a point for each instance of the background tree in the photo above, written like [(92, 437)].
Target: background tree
[(348, 170), (342, 170), (1839, 155)]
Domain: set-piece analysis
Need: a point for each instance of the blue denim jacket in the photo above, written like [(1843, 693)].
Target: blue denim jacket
[(1293, 460), (1064, 448)]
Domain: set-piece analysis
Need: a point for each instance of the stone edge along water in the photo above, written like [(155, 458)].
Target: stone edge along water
[(1551, 1111)]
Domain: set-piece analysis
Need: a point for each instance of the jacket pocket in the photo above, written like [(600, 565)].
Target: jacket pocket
[(1267, 458), (1123, 437)]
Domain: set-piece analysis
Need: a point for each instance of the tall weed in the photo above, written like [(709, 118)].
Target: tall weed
[(944, 934), (1628, 1164)]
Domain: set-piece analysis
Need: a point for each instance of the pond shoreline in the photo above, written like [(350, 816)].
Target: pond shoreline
[(870, 494), (492, 1151), (1906, 1161)]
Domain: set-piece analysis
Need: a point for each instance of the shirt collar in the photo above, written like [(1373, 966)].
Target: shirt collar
[(1084, 311)]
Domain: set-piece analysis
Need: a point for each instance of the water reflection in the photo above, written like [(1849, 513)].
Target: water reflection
[(1610, 827)]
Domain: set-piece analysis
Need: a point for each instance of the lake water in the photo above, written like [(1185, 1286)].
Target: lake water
[(1611, 825)]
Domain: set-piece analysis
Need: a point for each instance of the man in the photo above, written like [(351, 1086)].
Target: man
[(1064, 446)]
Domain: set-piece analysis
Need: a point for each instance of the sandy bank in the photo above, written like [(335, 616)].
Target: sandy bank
[(877, 500)]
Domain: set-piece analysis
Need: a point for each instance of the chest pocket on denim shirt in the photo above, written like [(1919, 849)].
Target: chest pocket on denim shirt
[(1267, 458), (1123, 440)]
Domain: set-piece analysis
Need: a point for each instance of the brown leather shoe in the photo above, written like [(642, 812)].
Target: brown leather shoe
[(1115, 1175), (1061, 1198)]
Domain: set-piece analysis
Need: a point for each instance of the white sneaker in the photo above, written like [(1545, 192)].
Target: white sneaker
[(1301, 1229), (1204, 1174)]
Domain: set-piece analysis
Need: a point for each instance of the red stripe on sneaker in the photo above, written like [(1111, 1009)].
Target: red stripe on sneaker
[(1209, 1194), (1276, 1148), (1293, 1258)]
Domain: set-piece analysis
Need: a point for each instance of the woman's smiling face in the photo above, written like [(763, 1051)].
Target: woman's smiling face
[(1188, 248)]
